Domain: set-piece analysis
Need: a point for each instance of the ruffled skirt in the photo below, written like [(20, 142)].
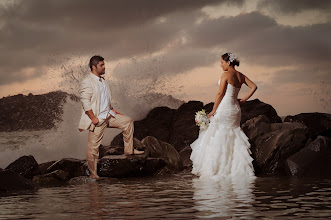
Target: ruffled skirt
[(221, 151)]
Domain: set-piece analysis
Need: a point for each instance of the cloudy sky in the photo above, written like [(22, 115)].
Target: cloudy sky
[(171, 47)]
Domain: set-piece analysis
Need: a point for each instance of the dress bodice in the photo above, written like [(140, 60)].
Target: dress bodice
[(231, 91)]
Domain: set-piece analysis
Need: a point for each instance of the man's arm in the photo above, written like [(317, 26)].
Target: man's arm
[(86, 93)]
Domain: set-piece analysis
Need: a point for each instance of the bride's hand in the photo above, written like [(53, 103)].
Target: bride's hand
[(211, 114)]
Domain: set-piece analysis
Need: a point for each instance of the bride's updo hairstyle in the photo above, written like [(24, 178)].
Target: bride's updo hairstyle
[(232, 58)]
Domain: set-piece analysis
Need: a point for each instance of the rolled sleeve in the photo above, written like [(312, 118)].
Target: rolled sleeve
[(86, 93)]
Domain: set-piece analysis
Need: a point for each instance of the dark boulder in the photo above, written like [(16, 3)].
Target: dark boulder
[(10, 180), (119, 166), (317, 123), (270, 150), (313, 160), (44, 166), (32, 112), (158, 123), (158, 149), (26, 166), (74, 167), (184, 130), (55, 178), (256, 127), (185, 157), (110, 150), (209, 107), (254, 108), (117, 146)]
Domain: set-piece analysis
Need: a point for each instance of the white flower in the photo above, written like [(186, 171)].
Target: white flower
[(232, 57), (201, 119)]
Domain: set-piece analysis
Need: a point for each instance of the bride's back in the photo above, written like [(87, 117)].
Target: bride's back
[(236, 78)]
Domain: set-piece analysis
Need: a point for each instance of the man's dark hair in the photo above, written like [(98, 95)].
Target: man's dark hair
[(95, 60)]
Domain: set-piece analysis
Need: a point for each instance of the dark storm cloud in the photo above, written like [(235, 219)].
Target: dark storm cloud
[(293, 6), (37, 31), (260, 40)]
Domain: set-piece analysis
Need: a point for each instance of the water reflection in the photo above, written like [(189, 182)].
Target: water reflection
[(226, 197)]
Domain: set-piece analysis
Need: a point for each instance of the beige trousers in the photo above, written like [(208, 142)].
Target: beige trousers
[(122, 122)]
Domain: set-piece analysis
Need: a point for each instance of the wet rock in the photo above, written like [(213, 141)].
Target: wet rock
[(184, 130), (119, 166), (158, 123), (256, 127), (272, 149), (165, 171), (25, 166), (117, 146), (110, 150), (74, 167), (81, 180), (44, 166), (254, 108), (158, 149), (32, 112), (55, 178), (209, 107), (317, 123), (10, 180), (313, 160), (152, 165), (185, 157)]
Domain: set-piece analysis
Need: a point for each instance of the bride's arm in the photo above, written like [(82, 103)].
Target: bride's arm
[(251, 85), (220, 94)]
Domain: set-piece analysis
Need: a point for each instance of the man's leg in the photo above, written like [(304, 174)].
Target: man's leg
[(125, 123), (94, 141)]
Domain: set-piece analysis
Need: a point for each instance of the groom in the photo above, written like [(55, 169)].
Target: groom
[(98, 114)]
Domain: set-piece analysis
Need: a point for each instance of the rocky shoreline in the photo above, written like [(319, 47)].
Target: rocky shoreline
[(299, 146)]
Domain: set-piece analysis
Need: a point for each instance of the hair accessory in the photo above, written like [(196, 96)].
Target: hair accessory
[(232, 57)]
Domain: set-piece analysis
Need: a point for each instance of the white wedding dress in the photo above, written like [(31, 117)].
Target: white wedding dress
[(222, 149)]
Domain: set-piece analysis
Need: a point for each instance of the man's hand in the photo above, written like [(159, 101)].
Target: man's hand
[(95, 121)]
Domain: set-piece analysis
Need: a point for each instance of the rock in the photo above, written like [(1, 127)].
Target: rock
[(152, 165), (165, 171), (117, 146), (32, 112), (185, 157), (254, 108), (44, 166), (158, 123), (317, 123), (55, 178), (81, 180), (110, 150), (184, 130), (313, 160), (158, 149), (272, 149), (119, 166), (10, 180), (72, 166), (256, 127), (87, 180), (209, 107), (26, 166)]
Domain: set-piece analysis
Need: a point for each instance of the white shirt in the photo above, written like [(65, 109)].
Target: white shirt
[(105, 110)]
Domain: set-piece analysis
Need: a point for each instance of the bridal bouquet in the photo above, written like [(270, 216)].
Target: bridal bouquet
[(201, 119)]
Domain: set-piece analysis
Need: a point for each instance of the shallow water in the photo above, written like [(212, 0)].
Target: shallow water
[(181, 196)]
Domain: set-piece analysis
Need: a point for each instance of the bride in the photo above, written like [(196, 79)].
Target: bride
[(223, 149)]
